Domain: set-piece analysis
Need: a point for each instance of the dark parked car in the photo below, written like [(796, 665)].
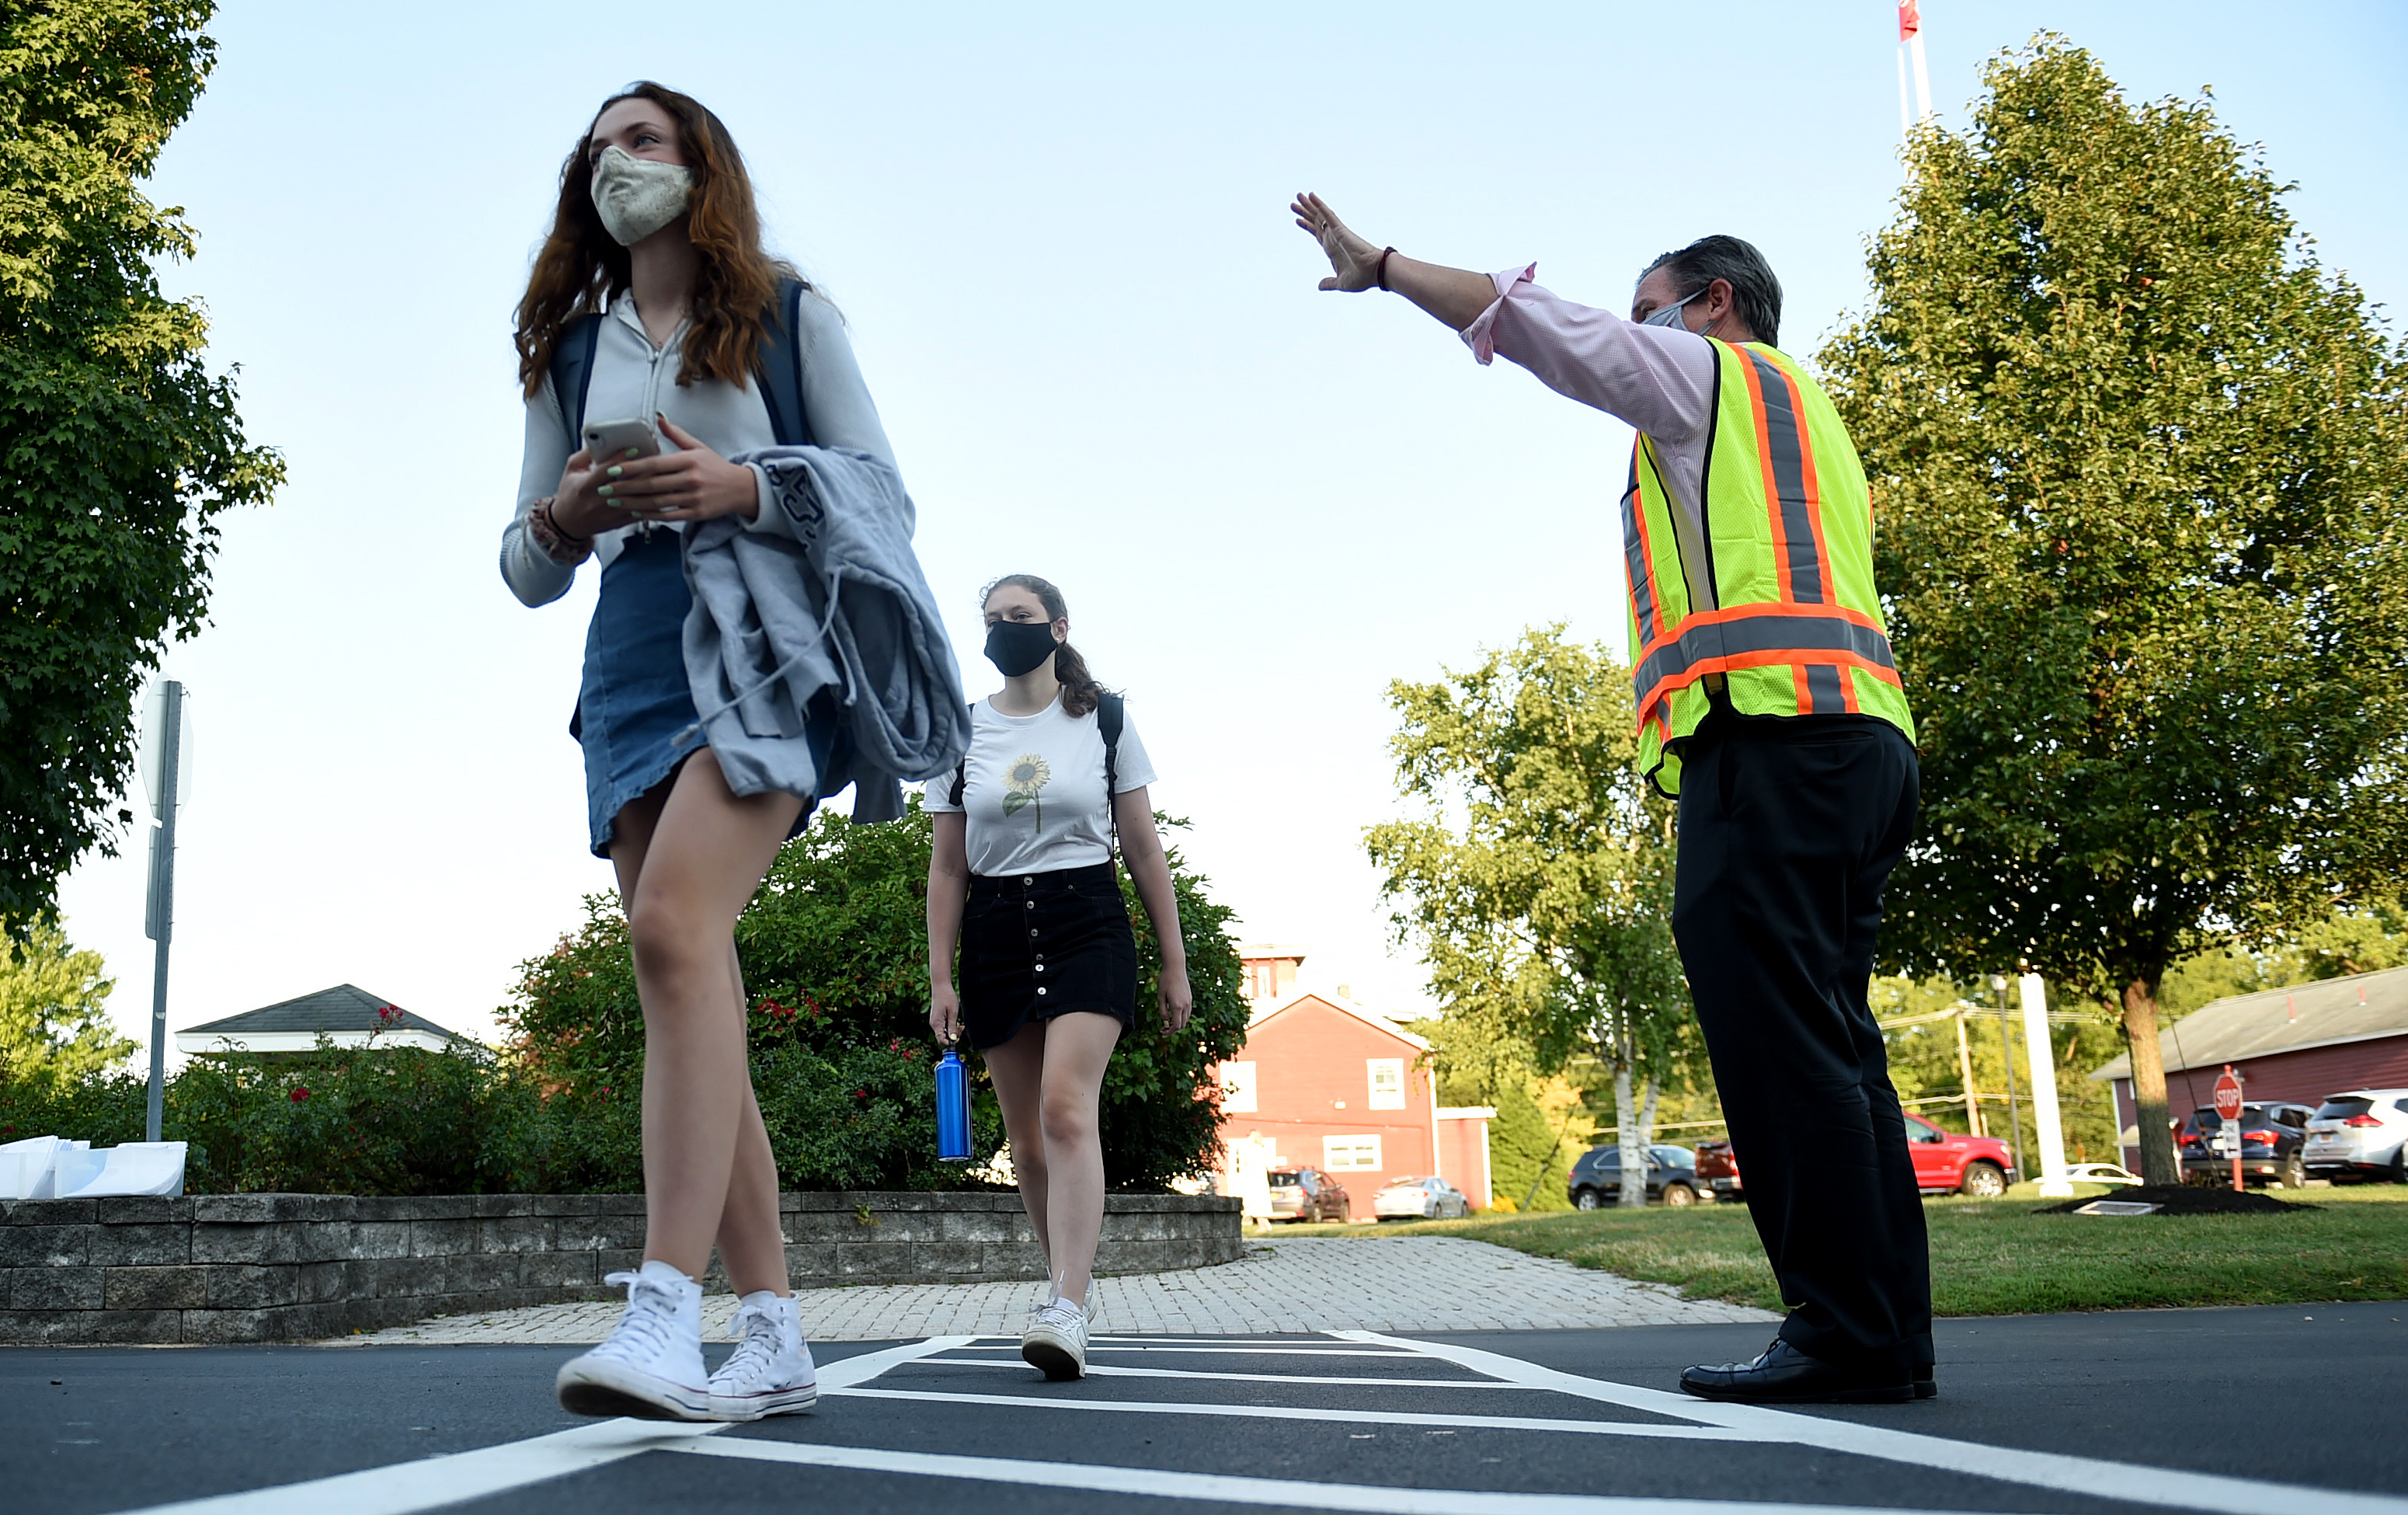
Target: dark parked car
[(1306, 1194), (2274, 1142), (1597, 1177)]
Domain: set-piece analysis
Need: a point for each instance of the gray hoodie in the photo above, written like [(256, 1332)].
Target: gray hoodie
[(823, 592)]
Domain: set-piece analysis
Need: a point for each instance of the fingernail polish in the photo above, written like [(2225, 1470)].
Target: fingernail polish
[(614, 470)]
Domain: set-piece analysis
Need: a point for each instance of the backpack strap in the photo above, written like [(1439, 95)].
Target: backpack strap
[(1110, 712), (780, 366), (572, 373), (962, 768)]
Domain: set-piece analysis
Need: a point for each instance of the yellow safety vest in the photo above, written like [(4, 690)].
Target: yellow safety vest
[(1793, 625)]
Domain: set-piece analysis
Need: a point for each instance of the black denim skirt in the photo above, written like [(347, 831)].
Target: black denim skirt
[(1045, 944)]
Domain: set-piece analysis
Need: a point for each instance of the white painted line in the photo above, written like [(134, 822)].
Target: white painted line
[(1096, 1370), (1293, 1493), (406, 1488), (2094, 1476), (1296, 1412)]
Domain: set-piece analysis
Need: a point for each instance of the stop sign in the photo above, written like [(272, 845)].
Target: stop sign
[(2228, 1096)]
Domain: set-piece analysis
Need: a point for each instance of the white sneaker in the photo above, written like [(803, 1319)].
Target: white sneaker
[(1055, 1340), (650, 1365), (771, 1371)]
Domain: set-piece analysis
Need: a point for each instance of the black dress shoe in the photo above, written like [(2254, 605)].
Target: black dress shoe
[(1925, 1387), (1785, 1376)]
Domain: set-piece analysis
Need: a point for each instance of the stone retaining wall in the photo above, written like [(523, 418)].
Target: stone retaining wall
[(286, 1267)]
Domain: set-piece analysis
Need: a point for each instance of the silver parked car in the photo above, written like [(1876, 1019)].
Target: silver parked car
[(2360, 1135), (1419, 1198)]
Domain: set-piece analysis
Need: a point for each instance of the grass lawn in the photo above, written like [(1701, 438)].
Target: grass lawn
[(1996, 1257)]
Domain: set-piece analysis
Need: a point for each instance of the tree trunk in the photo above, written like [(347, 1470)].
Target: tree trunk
[(1633, 1140), (2158, 1164), (1647, 1112)]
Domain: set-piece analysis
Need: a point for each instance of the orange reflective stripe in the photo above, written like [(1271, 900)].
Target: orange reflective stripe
[(1832, 637), (1786, 459)]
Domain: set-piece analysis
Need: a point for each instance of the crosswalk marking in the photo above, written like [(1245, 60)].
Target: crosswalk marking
[(1301, 1412)]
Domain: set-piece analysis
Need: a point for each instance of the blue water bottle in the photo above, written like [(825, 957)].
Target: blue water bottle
[(952, 1109)]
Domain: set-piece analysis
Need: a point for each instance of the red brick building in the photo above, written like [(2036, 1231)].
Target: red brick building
[(1326, 1083), (2296, 1045)]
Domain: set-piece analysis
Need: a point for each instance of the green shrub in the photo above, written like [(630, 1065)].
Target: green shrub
[(834, 951)]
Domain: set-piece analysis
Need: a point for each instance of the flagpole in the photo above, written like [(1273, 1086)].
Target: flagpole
[(1905, 117)]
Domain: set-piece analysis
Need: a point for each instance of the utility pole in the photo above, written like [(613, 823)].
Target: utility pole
[(1964, 1071), (158, 910)]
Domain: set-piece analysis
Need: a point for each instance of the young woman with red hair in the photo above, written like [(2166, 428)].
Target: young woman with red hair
[(655, 238)]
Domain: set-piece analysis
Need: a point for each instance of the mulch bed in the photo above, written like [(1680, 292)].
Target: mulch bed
[(2185, 1199)]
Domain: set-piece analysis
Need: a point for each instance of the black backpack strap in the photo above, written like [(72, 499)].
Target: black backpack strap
[(1110, 712), (572, 372), (962, 768), (780, 366)]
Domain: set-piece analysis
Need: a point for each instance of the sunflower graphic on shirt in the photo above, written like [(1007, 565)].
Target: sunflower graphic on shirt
[(1023, 778)]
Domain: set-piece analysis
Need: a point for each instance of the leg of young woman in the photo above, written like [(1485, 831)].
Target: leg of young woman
[(1017, 1068), (1077, 1048), (707, 853), (751, 1244)]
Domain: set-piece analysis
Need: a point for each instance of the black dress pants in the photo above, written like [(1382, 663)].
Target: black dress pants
[(1788, 829)]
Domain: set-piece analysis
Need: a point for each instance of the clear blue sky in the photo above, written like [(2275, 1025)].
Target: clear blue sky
[(1057, 232)]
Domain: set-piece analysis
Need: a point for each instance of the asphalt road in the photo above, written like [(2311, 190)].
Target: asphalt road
[(2152, 1410)]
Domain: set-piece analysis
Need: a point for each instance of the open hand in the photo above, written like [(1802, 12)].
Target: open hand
[(693, 483), (1354, 263)]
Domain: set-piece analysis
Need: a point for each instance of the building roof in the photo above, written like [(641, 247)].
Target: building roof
[(2359, 1008), (347, 1014), (1343, 1006)]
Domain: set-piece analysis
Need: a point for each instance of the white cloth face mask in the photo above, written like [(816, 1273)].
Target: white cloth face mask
[(1670, 315), (637, 196)]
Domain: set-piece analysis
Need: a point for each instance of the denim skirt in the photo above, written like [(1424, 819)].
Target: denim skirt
[(1044, 945), (635, 716)]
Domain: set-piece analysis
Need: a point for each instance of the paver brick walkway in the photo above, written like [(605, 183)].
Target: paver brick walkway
[(1326, 1283)]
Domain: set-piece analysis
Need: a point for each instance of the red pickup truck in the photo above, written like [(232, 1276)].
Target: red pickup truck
[(1944, 1162)]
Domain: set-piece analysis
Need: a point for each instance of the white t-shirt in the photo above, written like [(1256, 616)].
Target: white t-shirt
[(1034, 789)]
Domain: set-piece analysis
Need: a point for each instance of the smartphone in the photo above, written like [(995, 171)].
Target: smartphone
[(616, 441)]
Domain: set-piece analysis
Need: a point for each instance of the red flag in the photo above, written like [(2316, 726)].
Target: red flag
[(1910, 19)]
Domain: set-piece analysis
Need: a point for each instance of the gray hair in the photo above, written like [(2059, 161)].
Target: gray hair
[(1754, 288)]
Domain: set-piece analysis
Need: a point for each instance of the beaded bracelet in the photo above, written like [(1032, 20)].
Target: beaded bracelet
[(557, 543)]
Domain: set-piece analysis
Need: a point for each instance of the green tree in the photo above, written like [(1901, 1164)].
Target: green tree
[(1545, 917), (54, 1020), (2139, 464), (834, 953), (117, 447)]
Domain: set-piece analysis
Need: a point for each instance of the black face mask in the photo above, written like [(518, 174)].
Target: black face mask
[(1016, 647)]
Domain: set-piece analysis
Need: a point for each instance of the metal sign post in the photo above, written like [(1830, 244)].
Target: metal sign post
[(159, 908), (2228, 1112)]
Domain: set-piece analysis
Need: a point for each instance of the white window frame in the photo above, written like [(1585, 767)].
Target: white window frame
[(1393, 1096), (1351, 1154), (1238, 1096)]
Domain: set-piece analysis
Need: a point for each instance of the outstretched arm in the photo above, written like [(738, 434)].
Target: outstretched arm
[(1454, 295)]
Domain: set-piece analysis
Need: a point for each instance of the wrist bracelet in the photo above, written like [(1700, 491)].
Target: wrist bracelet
[(555, 542), (1381, 277)]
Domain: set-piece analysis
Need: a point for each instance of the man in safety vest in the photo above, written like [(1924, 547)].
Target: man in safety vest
[(1768, 703)]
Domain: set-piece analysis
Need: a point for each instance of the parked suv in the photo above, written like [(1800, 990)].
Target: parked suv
[(1945, 1162), (2360, 1135), (2273, 1138), (1306, 1194), (1597, 1177)]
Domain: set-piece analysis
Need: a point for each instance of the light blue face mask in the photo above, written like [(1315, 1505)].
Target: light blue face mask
[(1669, 315)]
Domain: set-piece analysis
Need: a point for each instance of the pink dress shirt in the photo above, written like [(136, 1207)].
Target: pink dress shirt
[(1659, 379)]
